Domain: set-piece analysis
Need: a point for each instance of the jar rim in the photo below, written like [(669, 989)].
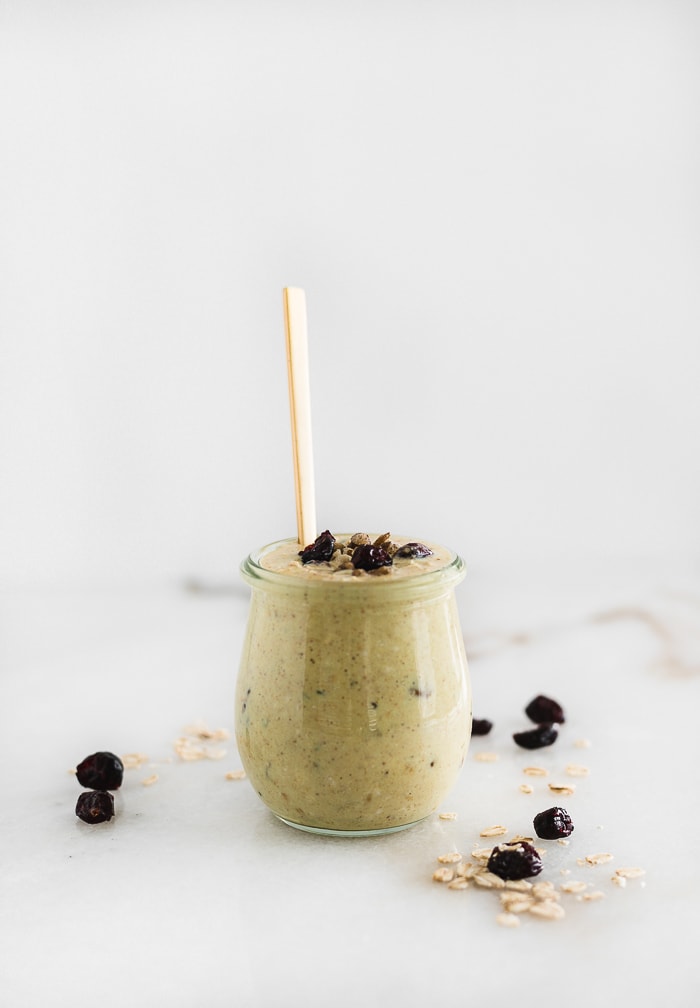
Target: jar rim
[(253, 572)]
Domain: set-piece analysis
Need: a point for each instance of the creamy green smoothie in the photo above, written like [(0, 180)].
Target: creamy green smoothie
[(352, 703)]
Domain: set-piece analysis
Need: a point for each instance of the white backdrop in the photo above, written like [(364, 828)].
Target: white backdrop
[(492, 206)]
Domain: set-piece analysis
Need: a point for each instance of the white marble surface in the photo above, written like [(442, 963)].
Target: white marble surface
[(196, 895)]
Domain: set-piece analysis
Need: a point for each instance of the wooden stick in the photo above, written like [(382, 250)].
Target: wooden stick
[(300, 407)]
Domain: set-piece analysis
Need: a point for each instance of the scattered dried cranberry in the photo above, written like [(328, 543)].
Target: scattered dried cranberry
[(553, 823), (103, 771), (370, 558), (413, 550), (536, 738), (481, 726), (95, 806), (543, 710), (515, 861), (320, 549)]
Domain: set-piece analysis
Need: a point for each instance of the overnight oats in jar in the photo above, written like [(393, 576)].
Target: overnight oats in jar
[(353, 707)]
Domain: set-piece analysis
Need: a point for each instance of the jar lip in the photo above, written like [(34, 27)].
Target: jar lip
[(253, 572)]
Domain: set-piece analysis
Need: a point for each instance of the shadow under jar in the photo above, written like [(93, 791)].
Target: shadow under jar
[(353, 706)]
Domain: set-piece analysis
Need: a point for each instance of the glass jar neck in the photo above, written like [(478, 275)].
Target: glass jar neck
[(373, 586)]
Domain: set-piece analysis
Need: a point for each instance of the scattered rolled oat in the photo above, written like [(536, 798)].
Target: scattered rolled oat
[(486, 757), (467, 871), (595, 859), (535, 771), (619, 880), (508, 920), (448, 816), (482, 853), (562, 789), (493, 831), (576, 770), (545, 890), (520, 885), (630, 872), (526, 788), (572, 886), (548, 910), (147, 781), (458, 883), (582, 743), (563, 841), (515, 902), (201, 731), (132, 761), (189, 751), (487, 880), (443, 875), (235, 775), (454, 857), (591, 897)]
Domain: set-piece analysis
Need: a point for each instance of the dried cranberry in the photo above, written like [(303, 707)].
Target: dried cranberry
[(370, 558), (103, 771), (413, 550), (480, 726), (515, 861), (320, 549), (553, 823), (536, 738), (95, 806), (543, 710)]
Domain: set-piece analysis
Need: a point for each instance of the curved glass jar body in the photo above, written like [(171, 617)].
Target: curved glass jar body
[(353, 707)]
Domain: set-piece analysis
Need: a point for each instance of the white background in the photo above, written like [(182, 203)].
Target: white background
[(493, 209)]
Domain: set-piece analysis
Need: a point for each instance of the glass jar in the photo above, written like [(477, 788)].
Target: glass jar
[(353, 707)]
